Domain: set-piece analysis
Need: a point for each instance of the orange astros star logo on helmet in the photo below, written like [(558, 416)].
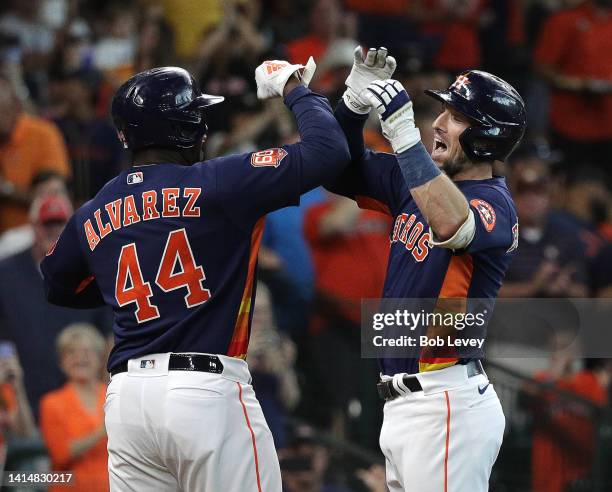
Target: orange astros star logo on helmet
[(461, 82)]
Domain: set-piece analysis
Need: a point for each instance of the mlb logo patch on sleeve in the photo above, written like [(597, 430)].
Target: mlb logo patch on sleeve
[(268, 158), (486, 212), (135, 178)]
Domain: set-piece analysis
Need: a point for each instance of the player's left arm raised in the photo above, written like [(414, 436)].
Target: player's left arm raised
[(250, 185), (67, 279), (441, 202)]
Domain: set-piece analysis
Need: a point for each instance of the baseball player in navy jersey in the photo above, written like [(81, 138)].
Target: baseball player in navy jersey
[(454, 235), (171, 244)]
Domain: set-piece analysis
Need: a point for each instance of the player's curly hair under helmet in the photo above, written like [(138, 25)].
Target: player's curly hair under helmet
[(495, 110), (161, 107)]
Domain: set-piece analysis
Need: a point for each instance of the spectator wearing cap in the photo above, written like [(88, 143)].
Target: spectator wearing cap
[(549, 262), (574, 55), (17, 239), (28, 145), (72, 417), (26, 318)]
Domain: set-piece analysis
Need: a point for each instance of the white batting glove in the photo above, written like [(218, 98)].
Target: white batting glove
[(394, 108), (272, 76), (376, 65)]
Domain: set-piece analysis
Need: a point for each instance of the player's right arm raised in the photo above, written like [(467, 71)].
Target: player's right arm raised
[(441, 202)]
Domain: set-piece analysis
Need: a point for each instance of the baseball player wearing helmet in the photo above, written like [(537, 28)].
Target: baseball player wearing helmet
[(454, 236), (171, 245)]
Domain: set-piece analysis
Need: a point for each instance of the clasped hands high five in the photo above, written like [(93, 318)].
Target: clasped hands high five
[(369, 85)]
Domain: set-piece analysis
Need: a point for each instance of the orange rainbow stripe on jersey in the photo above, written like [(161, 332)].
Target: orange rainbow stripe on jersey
[(240, 339), (454, 290)]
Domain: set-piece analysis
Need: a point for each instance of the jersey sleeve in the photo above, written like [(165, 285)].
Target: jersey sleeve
[(66, 275), (496, 222), (253, 184), (373, 179)]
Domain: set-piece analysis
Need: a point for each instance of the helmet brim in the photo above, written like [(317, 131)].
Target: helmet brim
[(460, 104), (205, 100)]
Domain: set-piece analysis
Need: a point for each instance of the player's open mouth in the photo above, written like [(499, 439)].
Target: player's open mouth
[(439, 145)]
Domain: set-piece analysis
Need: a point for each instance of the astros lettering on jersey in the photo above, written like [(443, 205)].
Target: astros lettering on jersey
[(415, 268)]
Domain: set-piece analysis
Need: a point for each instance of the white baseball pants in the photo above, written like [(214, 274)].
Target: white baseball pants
[(444, 438), (188, 431)]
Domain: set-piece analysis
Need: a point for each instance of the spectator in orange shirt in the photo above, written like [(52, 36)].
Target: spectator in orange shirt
[(350, 248), (574, 54), (72, 417), (28, 145)]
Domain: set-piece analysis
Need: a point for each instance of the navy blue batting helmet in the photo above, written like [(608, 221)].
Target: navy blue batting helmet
[(496, 112), (162, 107)]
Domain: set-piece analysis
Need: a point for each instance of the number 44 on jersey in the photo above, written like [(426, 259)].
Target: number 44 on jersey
[(131, 287)]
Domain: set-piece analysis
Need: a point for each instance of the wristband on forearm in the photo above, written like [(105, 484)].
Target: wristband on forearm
[(416, 166)]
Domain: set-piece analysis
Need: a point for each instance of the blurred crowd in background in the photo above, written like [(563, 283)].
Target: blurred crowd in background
[(60, 62)]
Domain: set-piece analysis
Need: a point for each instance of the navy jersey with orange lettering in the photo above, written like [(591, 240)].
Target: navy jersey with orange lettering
[(415, 268), (173, 249)]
